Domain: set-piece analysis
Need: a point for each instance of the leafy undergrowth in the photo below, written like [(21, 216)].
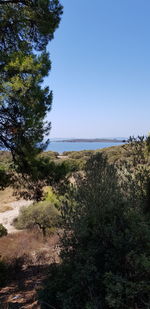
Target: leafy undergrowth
[(26, 256)]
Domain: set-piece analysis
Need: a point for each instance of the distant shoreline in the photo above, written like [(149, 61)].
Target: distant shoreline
[(90, 140)]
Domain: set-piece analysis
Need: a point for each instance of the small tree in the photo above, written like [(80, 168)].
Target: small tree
[(42, 215)]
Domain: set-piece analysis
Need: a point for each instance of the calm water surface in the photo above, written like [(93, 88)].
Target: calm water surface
[(67, 146)]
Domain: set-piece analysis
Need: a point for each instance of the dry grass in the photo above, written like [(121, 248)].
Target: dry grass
[(31, 246), (18, 244), (4, 208), (6, 196), (27, 257)]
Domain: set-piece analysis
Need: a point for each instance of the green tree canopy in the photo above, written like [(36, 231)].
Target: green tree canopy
[(24, 104), (26, 27), (28, 24)]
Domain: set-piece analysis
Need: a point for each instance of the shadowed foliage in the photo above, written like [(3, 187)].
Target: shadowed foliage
[(105, 247)]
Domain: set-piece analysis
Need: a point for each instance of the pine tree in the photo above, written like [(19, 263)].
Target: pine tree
[(26, 27)]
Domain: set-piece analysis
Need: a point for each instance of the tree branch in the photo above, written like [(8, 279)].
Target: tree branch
[(14, 2)]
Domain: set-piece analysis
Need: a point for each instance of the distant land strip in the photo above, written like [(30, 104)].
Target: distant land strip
[(92, 140)]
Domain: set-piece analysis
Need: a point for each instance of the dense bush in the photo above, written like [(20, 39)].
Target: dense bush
[(78, 154), (51, 196), (3, 273), (52, 155), (3, 230), (105, 247)]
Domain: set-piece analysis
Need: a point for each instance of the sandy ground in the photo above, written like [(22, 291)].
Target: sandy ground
[(62, 157), (7, 217)]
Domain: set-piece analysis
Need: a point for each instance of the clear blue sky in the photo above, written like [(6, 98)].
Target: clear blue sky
[(100, 73)]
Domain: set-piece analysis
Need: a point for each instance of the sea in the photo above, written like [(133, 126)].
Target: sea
[(60, 147)]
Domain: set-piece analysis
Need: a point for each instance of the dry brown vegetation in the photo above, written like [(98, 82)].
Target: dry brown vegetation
[(6, 197), (28, 244), (4, 208), (30, 254)]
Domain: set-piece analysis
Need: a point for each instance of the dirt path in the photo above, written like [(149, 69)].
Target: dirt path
[(7, 217)]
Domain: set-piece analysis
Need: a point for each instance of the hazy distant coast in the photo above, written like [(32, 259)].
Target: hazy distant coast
[(91, 140)]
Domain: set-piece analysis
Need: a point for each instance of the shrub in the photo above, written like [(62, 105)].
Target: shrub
[(3, 230), (4, 178), (51, 197), (3, 273), (9, 268), (105, 247)]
